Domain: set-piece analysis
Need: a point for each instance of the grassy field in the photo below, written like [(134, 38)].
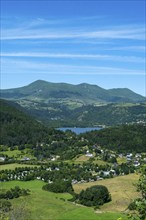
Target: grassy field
[(84, 158), (12, 153), (121, 160), (18, 154), (12, 166), (51, 206), (122, 190)]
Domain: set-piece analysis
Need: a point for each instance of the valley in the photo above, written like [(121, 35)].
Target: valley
[(34, 155), (73, 110)]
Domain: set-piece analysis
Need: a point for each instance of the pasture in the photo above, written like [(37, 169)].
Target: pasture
[(44, 205), (122, 189)]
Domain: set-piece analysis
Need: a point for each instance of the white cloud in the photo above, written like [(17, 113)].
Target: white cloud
[(77, 56), (128, 48), (121, 32), (24, 66)]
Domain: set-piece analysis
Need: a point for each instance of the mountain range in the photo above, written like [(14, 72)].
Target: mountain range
[(83, 93), (62, 104)]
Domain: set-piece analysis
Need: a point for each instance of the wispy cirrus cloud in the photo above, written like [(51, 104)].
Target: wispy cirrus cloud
[(77, 56), (128, 48), (24, 66), (114, 32)]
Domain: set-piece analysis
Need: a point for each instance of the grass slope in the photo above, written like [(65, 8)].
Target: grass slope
[(122, 190), (50, 206)]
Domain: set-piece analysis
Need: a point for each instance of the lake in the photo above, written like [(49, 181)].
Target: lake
[(80, 130)]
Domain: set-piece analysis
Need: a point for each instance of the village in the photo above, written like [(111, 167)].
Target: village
[(98, 164)]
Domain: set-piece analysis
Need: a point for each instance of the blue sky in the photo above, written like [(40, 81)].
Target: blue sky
[(97, 42)]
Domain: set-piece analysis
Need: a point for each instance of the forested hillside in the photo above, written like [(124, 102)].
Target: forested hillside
[(61, 115), (124, 138), (18, 128)]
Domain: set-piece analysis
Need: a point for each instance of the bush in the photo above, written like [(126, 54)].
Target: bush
[(132, 206), (14, 193), (5, 205)]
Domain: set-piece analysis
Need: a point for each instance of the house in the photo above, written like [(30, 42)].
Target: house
[(2, 158), (136, 163), (25, 158), (106, 173), (89, 155)]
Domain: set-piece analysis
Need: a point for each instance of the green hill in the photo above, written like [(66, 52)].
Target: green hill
[(83, 93), (62, 104)]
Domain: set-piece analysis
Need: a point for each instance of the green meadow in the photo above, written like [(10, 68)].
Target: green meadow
[(44, 205), (12, 166), (17, 154)]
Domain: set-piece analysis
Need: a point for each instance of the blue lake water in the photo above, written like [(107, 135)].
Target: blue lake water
[(79, 130)]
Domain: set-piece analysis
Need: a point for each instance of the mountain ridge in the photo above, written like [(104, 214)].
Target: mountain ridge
[(86, 93)]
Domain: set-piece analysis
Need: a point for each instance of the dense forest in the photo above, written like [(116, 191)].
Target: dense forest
[(124, 138), (18, 128)]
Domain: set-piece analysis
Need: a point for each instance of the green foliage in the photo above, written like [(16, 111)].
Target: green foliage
[(5, 205), (94, 196), (141, 186), (139, 205), (59, 186), (13, 193)]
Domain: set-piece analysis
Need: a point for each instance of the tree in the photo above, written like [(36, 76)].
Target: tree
[(59, 186), (141, 187), (94, 196)]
